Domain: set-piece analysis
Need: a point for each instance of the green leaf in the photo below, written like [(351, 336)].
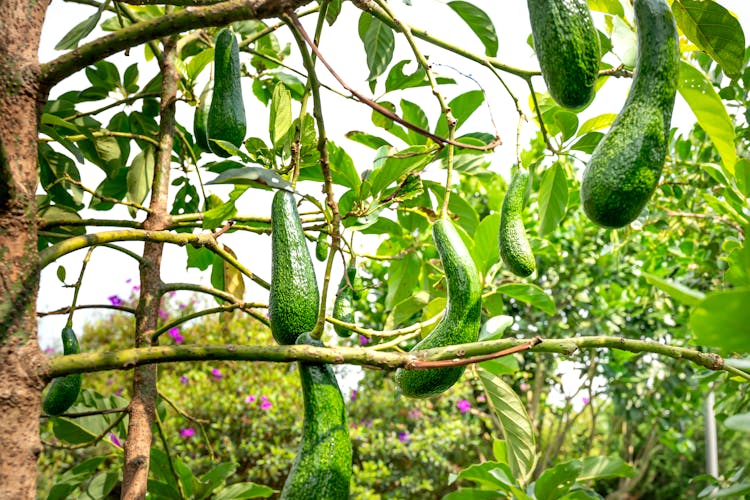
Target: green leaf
[(398, 165), (507, 365), (61, 274), (398, 80), (101, 485), (596, 468), (555, 482), (714, 30), (332, 13), (369, 140), (479, 22), (742, 176), (471, 494), (198, 63), (462, 106), (379, 44), (739, 422), (530, 294), (613, 7), (710, 112), (240, 491), (403, 276), (139, 178), (224, 276), (486, 246), (413, 113), (214, 478), (495, 327), (738, 273), (567, 122), (280, 120), (406, 309), (553, 199), (677, 291), (342, 167), (200, 258), (597, 123), (517, 428), (81, 30), (72, 478), (721, 320), (251, 176), (489, 476)]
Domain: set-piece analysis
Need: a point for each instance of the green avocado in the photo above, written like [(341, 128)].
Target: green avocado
[(226, 114), (343, 306), (514, 246), (459, 325), (63, 391), (567, 46), (294, 298), (626, 165), (323, 466), (321, 247), (200, 119)]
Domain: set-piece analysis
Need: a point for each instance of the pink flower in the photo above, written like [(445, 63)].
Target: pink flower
[(524, 387), (585, 400), (184, 380), (353, 396), (163, 314), (250, 399), (115, 300), (414, 414), (266, 405), (403, 437), (463, 406), (115, 440), (216, 373), (481, 398), (363, 340), (174, 332), (187, 433)]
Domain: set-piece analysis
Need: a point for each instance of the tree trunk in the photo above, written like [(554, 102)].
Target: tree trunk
[(143, 404), (20, 357)]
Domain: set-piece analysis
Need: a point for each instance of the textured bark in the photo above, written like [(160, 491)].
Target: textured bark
[(143, 404), (20, 357)]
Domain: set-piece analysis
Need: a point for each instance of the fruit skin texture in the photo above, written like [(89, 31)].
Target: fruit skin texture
[(343, 306), (461, 321), (200, 119), (323, 466), (567, 46), (226, 114), (63, 391), (625, 167), (514, 246), (294, 298)]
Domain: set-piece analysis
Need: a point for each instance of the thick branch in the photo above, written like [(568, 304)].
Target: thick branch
[(129, 358), (190, 18)]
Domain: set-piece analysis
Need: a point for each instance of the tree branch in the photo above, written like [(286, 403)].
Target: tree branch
[(127, 359), (190, 18)]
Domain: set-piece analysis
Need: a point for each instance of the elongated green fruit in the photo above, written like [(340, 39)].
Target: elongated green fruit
[(323, 466), (343, 306), (461, 321), (294, 298), (625, 167), (358, 288), (567, 46), (226, 114), (514, 246), (321, 247), (63, 391), (200, 119)]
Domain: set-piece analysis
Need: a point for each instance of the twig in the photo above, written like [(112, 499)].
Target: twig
[(383, 110)]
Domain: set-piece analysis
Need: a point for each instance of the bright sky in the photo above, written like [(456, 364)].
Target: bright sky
[(109, 271)]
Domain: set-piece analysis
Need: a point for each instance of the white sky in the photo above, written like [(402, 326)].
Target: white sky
[(109, 271)]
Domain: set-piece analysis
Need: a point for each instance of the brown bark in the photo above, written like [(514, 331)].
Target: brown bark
[(20, 357), (143, 404)]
